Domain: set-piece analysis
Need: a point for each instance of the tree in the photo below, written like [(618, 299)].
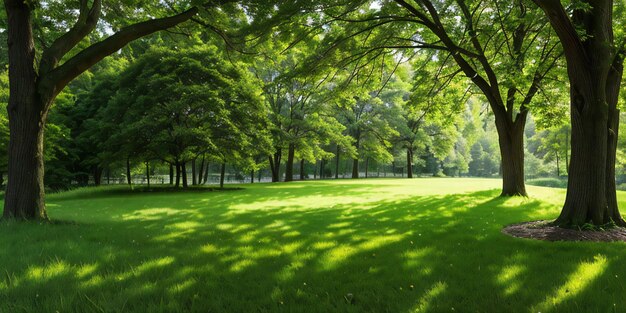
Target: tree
[(502, 47), (594, 68), (298, 107), (33, 88)]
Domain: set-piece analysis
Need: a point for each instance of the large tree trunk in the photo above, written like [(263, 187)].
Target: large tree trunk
[(511, 141), (24, 197), (355, 168), (594, 71), (586, 189), (289, 165), (409, 163)]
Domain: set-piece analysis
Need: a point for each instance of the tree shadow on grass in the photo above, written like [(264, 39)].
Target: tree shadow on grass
[(228, 253)]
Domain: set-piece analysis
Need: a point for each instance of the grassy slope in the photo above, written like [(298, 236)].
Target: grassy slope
[(424, 245)]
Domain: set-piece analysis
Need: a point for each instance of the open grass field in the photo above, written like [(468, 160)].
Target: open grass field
[(422, 245)]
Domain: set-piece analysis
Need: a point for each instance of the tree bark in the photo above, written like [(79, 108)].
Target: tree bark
[(275, 165), (409, 163), (222, 175), (177, 174), (24, 197), (367, 163), (252, 176), (594, 70), (201, 171), (148, 173), (302, 169), (97, 175), (171, 174), (183, 170), (511, 141), (194, 181), (289, 165), (355, 168), (129, 179)]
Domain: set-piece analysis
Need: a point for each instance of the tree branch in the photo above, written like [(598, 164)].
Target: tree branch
[(54, 81)]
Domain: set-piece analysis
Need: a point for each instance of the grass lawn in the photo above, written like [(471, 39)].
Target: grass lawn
[(421, 245)]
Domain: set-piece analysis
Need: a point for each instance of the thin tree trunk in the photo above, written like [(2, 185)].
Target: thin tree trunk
[(183, 170), (315, 170), (201, 171), (171, 174), (252, 176), (194, 181), (222, 175), (177, 174), (409, 163), (129, 179), (148, 173), (558, 170), (302, 169), (367, 161), (289, 166), (97, 175)]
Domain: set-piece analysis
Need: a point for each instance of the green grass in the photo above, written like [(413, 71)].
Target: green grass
[(422, 245)]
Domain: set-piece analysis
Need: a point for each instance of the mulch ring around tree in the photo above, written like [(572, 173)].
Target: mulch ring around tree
[(542, 230)]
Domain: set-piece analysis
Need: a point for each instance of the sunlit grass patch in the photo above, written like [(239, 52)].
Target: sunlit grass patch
[(380, 245)]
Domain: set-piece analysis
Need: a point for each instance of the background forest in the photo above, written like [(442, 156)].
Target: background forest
[(187, 107)]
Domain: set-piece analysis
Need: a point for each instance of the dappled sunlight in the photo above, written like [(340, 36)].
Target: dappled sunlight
[(391, 244), (152, 214), (49, 271), (509, 278), (576, 283), (424, 303)]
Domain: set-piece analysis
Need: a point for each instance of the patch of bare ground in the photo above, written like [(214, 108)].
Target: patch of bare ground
[(543, 230)]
